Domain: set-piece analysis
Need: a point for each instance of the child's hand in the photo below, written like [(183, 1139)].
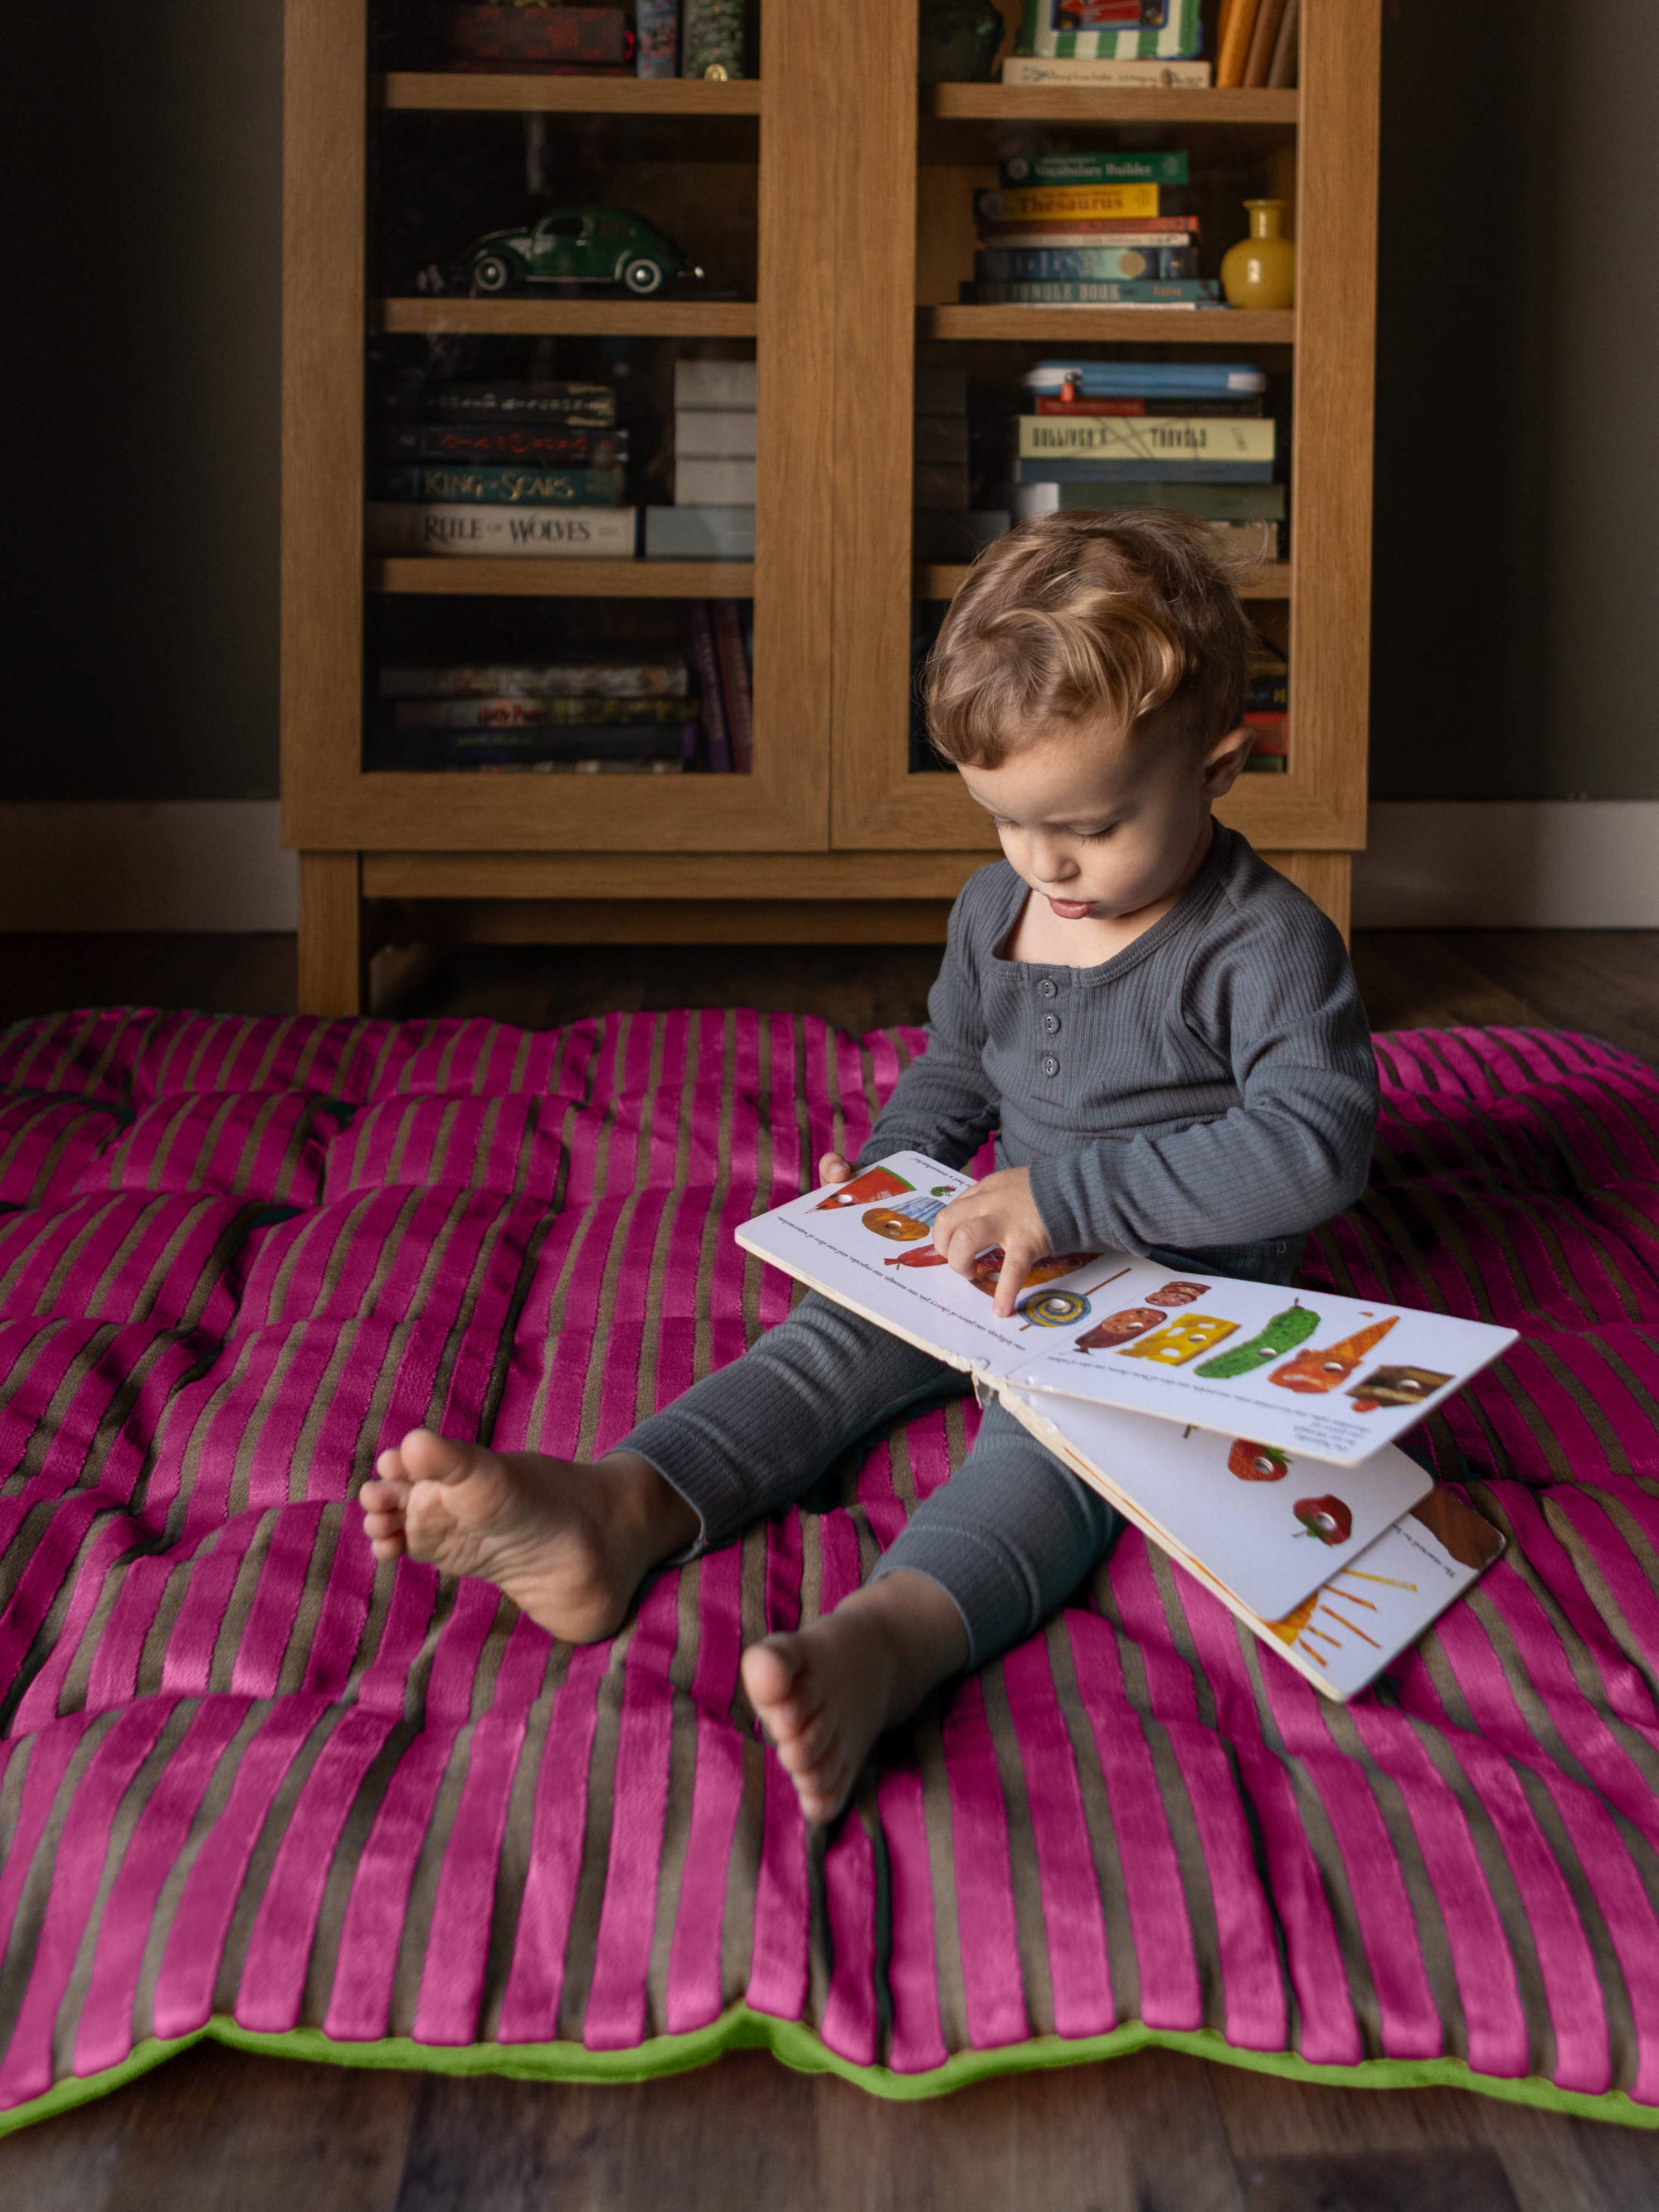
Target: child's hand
[(998, 1211), (833, 1168)]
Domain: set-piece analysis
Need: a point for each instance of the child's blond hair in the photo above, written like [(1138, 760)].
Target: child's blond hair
[(1130, 618)]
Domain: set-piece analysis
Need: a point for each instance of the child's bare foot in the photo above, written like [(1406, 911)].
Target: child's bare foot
[(568, 1542), (825, 1694)]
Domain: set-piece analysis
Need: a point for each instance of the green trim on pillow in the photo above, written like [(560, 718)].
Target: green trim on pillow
[(740, 2029)]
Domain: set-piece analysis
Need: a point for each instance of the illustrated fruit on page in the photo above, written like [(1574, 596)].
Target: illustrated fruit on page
[(1322, 1367), (1117, 1328), (1327, 1519), (1282, 1333), (1177, 1294), (1178, 1341), (1396, 1386), (1256, 1462), (907, 1222), (873, 1183), (988, 1268)]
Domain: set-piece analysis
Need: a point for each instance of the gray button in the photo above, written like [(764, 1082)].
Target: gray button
[(1051, 1066), (1051, 1023), (1049, 988)]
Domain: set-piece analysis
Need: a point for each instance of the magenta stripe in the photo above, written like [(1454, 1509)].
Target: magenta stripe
[(986, 1926), (529, 2005), (615, 2018), (848, 2023), (918, 2037), (1078, 1972), (695, 1990), (452, 1979)]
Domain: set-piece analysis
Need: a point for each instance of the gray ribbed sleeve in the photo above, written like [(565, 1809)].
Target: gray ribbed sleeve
[(1214, 1084)]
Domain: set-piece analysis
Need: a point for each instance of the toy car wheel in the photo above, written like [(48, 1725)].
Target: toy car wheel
[(642, 277), (492, 273)]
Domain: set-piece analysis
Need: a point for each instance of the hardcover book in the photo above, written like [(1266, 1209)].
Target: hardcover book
[(1026, 203), (1212, 502), (1149, 76), (1185, 379), (1186, 1403), (455, 530), (1143, 437), (1112, 30), (592, 406), (528, 445), (609, 677), (500, 486)]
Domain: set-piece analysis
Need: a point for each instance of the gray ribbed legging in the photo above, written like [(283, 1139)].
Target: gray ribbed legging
[(1008, 1537)]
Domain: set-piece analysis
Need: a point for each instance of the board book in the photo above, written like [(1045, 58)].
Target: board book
[(1214, 1412)]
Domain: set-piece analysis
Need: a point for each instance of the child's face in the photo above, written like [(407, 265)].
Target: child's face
[(1100, 826)]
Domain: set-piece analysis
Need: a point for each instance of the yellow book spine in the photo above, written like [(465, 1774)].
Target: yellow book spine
[(1079, 200), (1235, 44)]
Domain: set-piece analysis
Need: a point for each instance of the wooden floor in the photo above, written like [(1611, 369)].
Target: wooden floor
[(1150, 2134)]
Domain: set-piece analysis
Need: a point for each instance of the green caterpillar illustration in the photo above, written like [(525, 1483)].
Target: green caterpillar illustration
[(1283, 1333)]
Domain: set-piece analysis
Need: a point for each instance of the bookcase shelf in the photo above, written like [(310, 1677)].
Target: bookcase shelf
[(524, 92), (849, 189), (637, 579), (1046, 103), (587, 318), (938, 580), (1130, 326)]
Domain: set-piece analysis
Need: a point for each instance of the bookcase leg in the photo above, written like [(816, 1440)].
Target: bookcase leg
[(331, 964), (1327, 877)]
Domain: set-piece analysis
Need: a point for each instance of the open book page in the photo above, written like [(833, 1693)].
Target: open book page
[(1369, 1602), (1268, 1523), (1306, 1372)]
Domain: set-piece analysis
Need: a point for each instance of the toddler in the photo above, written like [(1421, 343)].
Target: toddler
[(1166, 1037)]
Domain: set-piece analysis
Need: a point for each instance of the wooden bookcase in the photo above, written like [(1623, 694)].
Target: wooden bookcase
[(861, 197)]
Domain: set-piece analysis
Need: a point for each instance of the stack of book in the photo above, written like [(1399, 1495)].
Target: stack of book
[(591, 715), (1087, 230), (1266, 710), (1189, 435), (536, 469), (713, 517), (945, 525), (564, 41), (1153, 43), (720, 647)]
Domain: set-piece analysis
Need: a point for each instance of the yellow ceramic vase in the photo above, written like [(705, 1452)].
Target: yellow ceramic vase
[(1259, 272)]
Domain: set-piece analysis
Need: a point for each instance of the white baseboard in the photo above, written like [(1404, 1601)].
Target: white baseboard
[(218, 865), (215, 865), (1509, 864)]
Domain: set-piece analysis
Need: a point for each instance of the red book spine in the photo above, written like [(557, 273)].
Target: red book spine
[(735, 685)]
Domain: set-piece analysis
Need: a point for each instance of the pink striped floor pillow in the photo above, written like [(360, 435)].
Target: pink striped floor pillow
[(253, 1787)]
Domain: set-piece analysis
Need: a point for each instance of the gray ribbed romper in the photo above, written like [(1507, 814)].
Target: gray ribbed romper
[(1205, 1097)]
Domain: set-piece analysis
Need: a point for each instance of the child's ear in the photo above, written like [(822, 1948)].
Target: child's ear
[(1224, 762)]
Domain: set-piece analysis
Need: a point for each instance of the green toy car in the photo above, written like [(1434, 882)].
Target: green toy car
[(578, 245)]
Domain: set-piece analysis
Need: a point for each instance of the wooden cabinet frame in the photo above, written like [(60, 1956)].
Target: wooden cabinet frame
[(831, 832)]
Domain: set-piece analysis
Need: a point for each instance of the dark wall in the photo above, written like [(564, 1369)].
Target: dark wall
[(1517, 507)]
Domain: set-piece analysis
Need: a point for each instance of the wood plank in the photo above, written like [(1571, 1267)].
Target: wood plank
[(536, 316), (1058, 103), (331, 973), (1232, 326), (638, 579), (1327, 877), (733, 877), (1471, 2180), (1138, 2132), (324, 78), (694, 921), (937, 580), (874, 370), (516, 91), (1423, 979), (1331, 441)]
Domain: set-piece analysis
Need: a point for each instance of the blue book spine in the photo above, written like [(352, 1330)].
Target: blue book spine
[(1174, 379), (1002, 265), (1143, 470), (1081, 292), (657, 33)]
